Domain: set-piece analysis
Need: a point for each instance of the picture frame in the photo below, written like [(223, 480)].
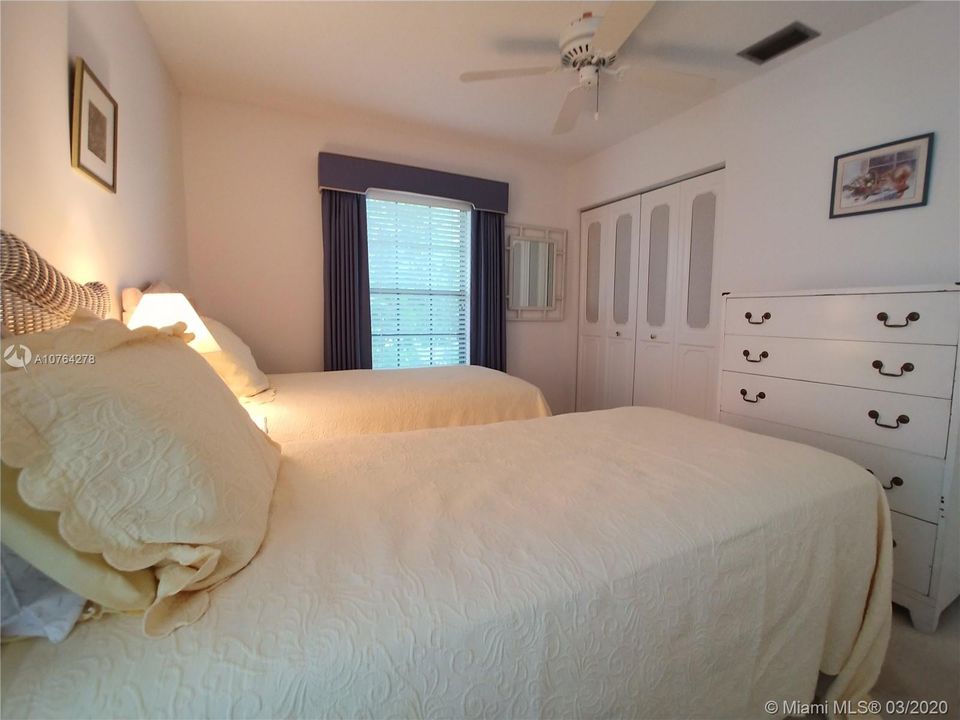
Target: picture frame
[(890, 176), (93, 141)]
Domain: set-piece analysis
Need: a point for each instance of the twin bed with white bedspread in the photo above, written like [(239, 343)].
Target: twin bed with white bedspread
[(624, 563), (315, 405)]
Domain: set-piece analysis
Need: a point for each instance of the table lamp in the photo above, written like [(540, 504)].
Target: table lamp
[(164, 309)]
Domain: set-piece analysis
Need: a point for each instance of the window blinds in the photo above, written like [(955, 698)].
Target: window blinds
[(419, 257)]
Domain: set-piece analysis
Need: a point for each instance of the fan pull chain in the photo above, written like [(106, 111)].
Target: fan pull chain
[(596, 112)]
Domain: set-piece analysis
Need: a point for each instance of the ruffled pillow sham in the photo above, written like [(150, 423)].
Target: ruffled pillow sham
[(145, 455)]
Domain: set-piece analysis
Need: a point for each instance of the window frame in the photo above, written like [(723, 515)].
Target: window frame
[(467, 209)]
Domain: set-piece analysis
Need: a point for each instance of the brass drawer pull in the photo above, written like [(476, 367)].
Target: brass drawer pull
[(895, 481), (763, 318), (760, 396), (875, 416), (763, 356), (912, 317), (905, 368)]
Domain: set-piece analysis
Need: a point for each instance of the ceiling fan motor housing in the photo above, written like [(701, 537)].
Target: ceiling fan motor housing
[(575, 48)]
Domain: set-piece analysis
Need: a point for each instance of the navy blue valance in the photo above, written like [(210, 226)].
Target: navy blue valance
[(357, 175)]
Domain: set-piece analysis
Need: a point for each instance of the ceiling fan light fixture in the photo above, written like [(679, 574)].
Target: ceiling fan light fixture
[(589, 75)]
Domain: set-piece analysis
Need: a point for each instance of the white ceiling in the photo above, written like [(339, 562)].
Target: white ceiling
[(403, 59)]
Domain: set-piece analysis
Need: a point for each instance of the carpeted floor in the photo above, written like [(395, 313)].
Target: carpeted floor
[(921, 666)]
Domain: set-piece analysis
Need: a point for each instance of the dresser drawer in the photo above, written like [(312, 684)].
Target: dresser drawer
[(903, 368), (914, 543), (918, 424), (913, 483), (930, 318)]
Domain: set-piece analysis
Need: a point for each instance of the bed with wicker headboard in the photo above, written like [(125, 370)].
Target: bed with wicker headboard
[(36, 296), (310, 405)]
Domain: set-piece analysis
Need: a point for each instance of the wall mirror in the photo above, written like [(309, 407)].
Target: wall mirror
[(535, 269), (531, 274)]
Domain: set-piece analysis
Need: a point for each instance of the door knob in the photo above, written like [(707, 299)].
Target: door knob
[(653, 336)]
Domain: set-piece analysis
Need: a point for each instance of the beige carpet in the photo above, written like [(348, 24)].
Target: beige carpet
[(921, 666)]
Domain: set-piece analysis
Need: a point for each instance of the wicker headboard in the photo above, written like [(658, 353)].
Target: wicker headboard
[(36, 296)]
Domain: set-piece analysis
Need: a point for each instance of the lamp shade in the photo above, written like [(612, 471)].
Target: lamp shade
[(165, 309)]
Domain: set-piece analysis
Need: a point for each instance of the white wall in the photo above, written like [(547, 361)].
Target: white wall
[(127, 238), (253, 225), (778, 136)]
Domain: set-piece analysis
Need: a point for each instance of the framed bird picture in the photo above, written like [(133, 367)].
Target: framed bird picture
[(94, 128), (884, 177)]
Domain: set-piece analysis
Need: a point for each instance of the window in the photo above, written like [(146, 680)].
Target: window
[(419, 252)]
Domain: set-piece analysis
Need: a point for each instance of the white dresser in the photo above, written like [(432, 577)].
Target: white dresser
[(871, 374)]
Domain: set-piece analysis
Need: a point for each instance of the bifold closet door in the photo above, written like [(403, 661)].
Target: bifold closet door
[(608, 301), (696, 358), (649, 310), (676, 364), (656, 301)]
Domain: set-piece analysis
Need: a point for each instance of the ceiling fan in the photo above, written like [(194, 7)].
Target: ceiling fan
[(589, 46)]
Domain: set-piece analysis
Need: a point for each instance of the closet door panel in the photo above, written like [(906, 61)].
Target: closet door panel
[(624, 224), (591, 274), (653, 374), (700, 261), (656, 291), (696, 381), (620, 354), (590, 365), (593, 324), (700, 223), (622, 270)]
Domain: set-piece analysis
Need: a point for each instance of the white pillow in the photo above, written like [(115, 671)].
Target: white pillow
[(33, 605), (234, 362), (147, 457)]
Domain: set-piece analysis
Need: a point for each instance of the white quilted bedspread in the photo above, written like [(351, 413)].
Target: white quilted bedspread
[(626, 563), (310, 406)]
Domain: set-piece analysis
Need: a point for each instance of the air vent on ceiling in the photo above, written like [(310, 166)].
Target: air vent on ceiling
[(780, 42)]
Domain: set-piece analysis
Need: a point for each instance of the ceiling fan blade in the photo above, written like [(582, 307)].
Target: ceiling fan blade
[(619, 21), (527, 45), (672, 81), (573, 105), (475, 75)]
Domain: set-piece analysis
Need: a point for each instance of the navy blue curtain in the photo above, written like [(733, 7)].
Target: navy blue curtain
[(488, 318), (346, 282)]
